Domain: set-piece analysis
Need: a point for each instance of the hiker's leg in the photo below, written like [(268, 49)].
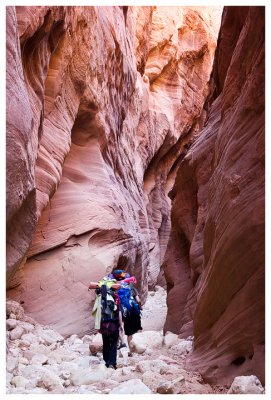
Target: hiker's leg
[(129, 338), (106, 349), (112, 356)]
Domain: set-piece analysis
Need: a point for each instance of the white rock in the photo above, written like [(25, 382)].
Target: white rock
[(49, 336), (39, 348), (19, 381), (87, 376), (159, 289), (12, 316), (65, 374), (39, 359), (182, 348), (97, 344), (133, 386), (87, 338), (171, 369), (11, 364), (70, 340), (14, 352), (68, 366), (67, 383), (9, 376), (82, 348), (148, 339), (33, 372), (246, 385), (24, 360), (78, 341), (83, 362), (26, 326), (16, 333), (123, 353), (24, 343), (152, 380), (150, 365), (148, 351), (11, 324), (170, 339), (30, 337), (50, 381)]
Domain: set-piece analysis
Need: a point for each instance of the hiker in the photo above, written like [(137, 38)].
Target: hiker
[(129, 301), (108, 319), (130, 304)]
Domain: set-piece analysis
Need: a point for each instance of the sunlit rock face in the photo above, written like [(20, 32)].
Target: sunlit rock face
[(214, 264), (115, 96)]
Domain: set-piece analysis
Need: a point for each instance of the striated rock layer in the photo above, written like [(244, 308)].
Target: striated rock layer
[(108, 99), (214, 264)]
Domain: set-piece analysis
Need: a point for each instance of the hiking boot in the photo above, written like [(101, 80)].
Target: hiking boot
[(112, 366), (122, 345)]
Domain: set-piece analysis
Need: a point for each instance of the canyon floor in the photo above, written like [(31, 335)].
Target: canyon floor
[(39, 360)]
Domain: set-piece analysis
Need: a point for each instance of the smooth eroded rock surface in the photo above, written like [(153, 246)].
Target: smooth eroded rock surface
[(214, 265), (114, 95)]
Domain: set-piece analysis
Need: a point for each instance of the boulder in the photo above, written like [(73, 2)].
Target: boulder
[(9, 377), (87, 338), (151, 365), (170, 339), (16, 333), (30, 338), (182, 348), (49, 336), (133, 386), (24, 343), (23, 360), (39, 359), (246, 385), (33, 372), (11, 363), (11, 324), (171, 369), (88, 376), (19, 381), (96, 345), (27, 327), (50, 381), (143, 340)]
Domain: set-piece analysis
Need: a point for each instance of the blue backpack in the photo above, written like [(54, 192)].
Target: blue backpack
[(128, 302)]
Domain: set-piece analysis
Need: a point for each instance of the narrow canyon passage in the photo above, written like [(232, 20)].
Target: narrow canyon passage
[(135, 135)]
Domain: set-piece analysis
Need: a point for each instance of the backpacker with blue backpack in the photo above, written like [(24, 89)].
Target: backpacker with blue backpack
[(128, 303)]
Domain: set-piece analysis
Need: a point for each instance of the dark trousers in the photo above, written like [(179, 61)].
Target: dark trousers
[(110, 348)]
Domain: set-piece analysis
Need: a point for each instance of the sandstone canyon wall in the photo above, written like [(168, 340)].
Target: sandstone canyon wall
[(101, 104), (214, 264)]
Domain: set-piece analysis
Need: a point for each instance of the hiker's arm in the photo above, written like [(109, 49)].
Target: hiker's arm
[(132, 279), (120, 321), (116, 286), (93, 285), (138, 301)]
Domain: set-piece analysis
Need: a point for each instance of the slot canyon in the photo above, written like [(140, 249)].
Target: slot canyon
[(135, 138)]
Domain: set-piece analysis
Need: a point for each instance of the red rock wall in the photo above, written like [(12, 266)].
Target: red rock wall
[(115, 93), (214, 265)]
